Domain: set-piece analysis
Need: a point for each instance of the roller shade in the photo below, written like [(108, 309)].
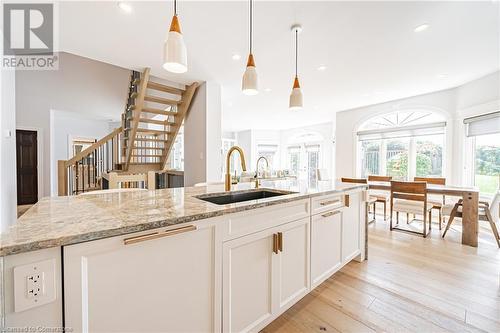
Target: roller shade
[(402, 132), (484, 124)]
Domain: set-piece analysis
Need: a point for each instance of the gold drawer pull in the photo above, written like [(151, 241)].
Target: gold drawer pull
[(331, 213), (275, 243), (331, 202), (280, 241), (155, 235)]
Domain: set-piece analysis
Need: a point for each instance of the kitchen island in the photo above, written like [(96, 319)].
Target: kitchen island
[(166, 260)]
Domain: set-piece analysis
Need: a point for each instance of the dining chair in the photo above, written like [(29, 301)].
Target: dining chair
[(371, 200), (382, 196), (409, 198), (487, 211), (435, 200)]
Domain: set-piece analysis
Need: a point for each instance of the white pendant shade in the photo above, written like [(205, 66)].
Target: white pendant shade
[(250, 83), (296, 99), (175, 53)]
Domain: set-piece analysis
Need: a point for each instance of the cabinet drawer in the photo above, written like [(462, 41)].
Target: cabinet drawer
[(251, 221), (327, 203)]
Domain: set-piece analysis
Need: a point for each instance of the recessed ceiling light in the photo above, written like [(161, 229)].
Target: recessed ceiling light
[(127, 8), (322, 68), (267, 89), (236, 56), (421, 27)]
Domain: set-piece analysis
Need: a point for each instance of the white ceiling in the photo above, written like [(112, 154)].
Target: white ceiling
[(370, 48)]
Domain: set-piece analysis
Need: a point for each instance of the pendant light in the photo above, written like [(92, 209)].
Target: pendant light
[(296, 95), (249, 84), (175, 53)]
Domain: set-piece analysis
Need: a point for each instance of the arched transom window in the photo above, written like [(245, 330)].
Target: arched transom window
[(402, 144)]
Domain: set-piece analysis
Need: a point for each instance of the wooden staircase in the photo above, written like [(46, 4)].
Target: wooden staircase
[(152, 121), (153, 116)]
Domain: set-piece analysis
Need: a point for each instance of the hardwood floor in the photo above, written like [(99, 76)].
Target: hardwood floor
[(408, 284)]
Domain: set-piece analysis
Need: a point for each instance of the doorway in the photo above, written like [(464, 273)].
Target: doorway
[(27, 168)]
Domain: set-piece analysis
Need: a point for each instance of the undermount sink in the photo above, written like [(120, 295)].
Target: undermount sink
[(241, 196)]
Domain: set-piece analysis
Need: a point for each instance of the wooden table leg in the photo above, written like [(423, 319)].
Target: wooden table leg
[(470, 218)]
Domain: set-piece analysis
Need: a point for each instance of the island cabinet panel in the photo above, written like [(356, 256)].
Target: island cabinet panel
[(326, 246), (292, 267), (163, 280), (262, 276), (352, 218)]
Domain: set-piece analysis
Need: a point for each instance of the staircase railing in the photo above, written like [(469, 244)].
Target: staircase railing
[(84, 171)]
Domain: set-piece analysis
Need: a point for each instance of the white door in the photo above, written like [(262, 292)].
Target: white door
[(351, 218), (292, 264), (167, 284), (247, 281), (326, 234)]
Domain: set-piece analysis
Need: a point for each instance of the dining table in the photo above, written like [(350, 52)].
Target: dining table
[(470, 211)]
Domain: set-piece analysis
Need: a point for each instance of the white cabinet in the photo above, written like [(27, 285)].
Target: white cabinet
[(164, 280), (292, 264), (326, 258), (351, 227), (263, 274)]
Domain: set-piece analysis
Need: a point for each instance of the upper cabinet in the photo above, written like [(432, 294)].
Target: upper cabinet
[(164, 280)]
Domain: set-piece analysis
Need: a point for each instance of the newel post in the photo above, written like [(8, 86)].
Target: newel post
[(62, 178)]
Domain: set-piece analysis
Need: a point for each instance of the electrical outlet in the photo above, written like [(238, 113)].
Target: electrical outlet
[(34, 284)]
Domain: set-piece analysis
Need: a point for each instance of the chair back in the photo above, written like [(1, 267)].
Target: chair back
[(375, 178), (354, 180), (431, 180), (495, 206), (413, 191)]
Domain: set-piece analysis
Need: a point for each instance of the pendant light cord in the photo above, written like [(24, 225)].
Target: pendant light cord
[(175, 7), (296, 51), (251, 25)]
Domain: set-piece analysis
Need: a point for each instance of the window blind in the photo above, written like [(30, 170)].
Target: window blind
[(402, 132), (484, 124)]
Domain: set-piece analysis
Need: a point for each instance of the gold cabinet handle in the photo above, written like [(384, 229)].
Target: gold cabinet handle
[(280, 241), (275, 243), (155, 235), (335, 212), (331, 202)]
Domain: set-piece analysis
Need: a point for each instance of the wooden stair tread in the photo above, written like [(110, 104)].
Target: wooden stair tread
[(164, 88), (161, 100), (151, 140), (152, 131), (159, 111), (147, 155), (139, 163), (155, 121)]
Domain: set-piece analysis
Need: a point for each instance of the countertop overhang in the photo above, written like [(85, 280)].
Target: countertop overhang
[(60, 221)]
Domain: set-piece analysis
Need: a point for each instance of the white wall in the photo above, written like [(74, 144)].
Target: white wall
[(8, 180), (476, 97), (203, 133), (250, 139), (64, 127), (213, 132), (195, 134), (80, 85)]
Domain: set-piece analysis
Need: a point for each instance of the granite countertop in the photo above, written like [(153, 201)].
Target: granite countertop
[(58, 221)]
